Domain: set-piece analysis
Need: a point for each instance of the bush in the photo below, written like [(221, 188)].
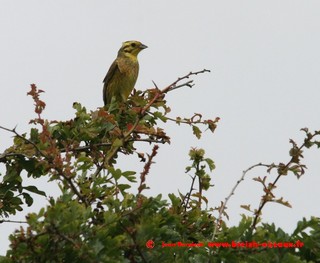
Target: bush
[(97, 219)]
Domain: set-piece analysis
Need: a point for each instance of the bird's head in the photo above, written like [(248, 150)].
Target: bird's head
[(131, 48)]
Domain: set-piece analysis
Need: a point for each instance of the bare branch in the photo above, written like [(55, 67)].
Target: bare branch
[(174, 84), (171, 87), (186, 199), (187, 84), (226, 200), (12, 221), (146, 140), (155, 85)]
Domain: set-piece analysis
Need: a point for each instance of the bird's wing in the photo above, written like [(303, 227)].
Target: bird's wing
[(112, 70)]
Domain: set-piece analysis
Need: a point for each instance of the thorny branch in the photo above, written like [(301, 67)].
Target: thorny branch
[(146, 168), (232, 192), (187, 197), (282, 169), (173, 86), (296, 153)]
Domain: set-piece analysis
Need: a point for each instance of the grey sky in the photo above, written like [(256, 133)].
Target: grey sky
[(264, 85)]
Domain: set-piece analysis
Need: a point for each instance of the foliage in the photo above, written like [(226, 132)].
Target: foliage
[(97, 218)]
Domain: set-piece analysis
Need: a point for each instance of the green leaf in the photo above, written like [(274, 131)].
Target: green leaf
[(246, 207), (116, 173), (205, 181), (123, 187), (28, 199), (34, 135), (77, 106), (196, 131), (160, 116), (117, 143), (176, 201), (107, 126), (210, 163), (12, 174), (130, 176), (33, 189), (188, 168)]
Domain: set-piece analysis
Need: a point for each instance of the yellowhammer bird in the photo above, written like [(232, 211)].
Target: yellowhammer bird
[(123, 73)]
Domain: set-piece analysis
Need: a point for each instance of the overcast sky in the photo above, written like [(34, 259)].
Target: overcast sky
[(265, 63)]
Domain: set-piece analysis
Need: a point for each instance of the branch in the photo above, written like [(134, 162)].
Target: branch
[(26, 140), (226, 200), (12, 221), (296, 153), (3, 156), (188, 195), (188, 83), (195, 119), (131, 234), (172, 86), (87, 147), (145, 140), (54, 229), (146, 168), (160, 92), (73, 187), (75, 190)]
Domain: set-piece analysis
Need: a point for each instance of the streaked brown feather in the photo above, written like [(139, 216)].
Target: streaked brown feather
[(111, 72)]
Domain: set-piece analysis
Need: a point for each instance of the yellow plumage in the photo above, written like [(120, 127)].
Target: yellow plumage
[(123, 73)]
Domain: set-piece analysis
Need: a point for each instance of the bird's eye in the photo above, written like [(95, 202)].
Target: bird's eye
[(133, 44)]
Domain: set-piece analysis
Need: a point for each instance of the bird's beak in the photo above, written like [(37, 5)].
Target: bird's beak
[(142, 46)]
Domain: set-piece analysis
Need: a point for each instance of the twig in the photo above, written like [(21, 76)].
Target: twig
[(155, 85), (54, 229), (136, 245), (226, 200), (189, 121), (188, 195), (146, 168), (25, 139), (158, 94), (200, 189), (3, 156), (73, 187), (171, 87), (87, 147), (145, 140), (50, 161), (12, 221), (188, 84)]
